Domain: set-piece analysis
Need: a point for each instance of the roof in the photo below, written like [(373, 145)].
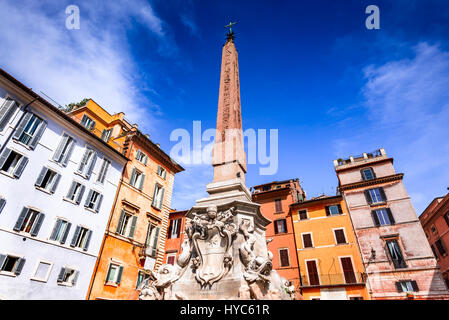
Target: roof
[(317, 199), (276, 182)]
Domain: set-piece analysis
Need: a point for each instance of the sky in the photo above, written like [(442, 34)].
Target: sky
[(310, 69)]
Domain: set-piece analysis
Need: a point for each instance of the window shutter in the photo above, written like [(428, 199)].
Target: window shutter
[(83, 161), (363, 175), (92, 125), (339, 209), (89, 196), (340, 236), (21, 127), (138, 154), (133, 227), (161, 201), (278, 205), (6, 112), (68, 154), (19, 266), (109, 272), (374, 174), (382, 194), (80, 194), (284, 258), (132, 180), (55, 183), (368, 197), (155, 240), (75, 277), (120, 221), (398, 286), (37, 136), (170, 226), (145, 160), (55, 229), (2, 204), (178, 228), (2, 260), (21, 218), (20, 167), (4, 156), (375, 218), (415, 286), (98, 204), (37, 225), (165, 174), (92, 165), (89, 235), (41, 176), (276, 226), (75, 236), (327, 211), (446, 218), (434, 251), (61, 274), (71, 190), (390, 215), (60, 147), (154, 202), (119, 275), (142, 179), (66, 233)]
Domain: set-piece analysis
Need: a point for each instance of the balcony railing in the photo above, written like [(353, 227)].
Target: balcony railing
[(333, 279)]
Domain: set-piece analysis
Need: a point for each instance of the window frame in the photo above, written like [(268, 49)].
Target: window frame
[(317, 271), (306, 212), (45, 279), (276, 226), (288, 257), (311, 240), (364, 178), (344, 234)]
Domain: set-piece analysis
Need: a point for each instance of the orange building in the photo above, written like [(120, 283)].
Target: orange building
[(175, 235), (274, 199), (329, 259), (134, 240)]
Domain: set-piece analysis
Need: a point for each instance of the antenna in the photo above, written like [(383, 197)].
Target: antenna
[(61, 107)]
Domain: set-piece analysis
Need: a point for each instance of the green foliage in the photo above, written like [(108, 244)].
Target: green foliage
[(69, 107)]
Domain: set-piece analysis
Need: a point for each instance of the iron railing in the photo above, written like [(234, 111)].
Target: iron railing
[(333, 279)]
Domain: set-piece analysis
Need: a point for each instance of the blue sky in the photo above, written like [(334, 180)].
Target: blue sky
[(307, 68)]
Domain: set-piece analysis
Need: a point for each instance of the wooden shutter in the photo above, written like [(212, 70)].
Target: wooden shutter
[(398, 286), (89, 235), (283, 254), (55, 229), (375, 218), (75, 277), (20, 167), (434, 251), (161, 201), (390, 216), (276, 227), (21, 127), (68, 153), (278, 205), (55, 183), (340, 236), (61, 145), (339, 209), (41, 176), (307, 240), (382, 194), (37, 224), (91, 165), (120, 221), (348, 270), (21, 218), (2, 260), (119, 276), (61, 274), (80, 194), (132, 180), (170, 226), (142, 179), (98, 204), (327, 211), (66, 233), (6, 112), (2, 204), (71, 190), (37, 136), (19, 266), (313, 273), (171, 260), (75, 236), (4, 156), (155, 240), (368, 197), (133, 227), (83, 162), (415, 286), (178, 228)]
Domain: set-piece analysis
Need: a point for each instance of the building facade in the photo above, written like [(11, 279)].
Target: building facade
[(274, 199), (328, 255), (175, 236), (435, 222), (58, 183), (397, 257), (134, 241)]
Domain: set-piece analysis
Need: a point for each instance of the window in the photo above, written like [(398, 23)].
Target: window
[(81, 238), (441, 248), (12, 163), (103, 171), (42, 271), (302, 214), (87, 163), (280, 226), (283, 258), (382, 217), (434, 251), (88, 122), (93, 200), (368, 174), (141, 157), (29, 221), (76, 192), (2, 203), (6, 112), (333, 210), (68, 276), (106, 135), (307, 240), (277, 205), (64, 151), (434, 229), (407, 286), (158, 196), (312, 271), (126, 224), (348, 270), (152, 239), (142, 278), (12, 264), (60, 231), (161, 172), (137, 179), (174, 229), (396, 254), (356, 298), (114, 275), (340, 237), (48, 180), (266, 188), (374, 196), (446, 218), (171, 258), (30, 130)]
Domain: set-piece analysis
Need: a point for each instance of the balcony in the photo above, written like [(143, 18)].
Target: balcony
[(365, 157), (339, 279)]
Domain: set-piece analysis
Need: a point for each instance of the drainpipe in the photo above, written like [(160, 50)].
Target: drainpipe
[(25, 108)]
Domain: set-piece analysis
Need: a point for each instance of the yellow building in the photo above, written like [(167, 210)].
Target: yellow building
[(328, 255)]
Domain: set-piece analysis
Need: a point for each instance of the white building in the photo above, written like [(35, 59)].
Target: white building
[(57, 187)]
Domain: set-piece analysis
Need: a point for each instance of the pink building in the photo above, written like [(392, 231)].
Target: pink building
[(397, 257)]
